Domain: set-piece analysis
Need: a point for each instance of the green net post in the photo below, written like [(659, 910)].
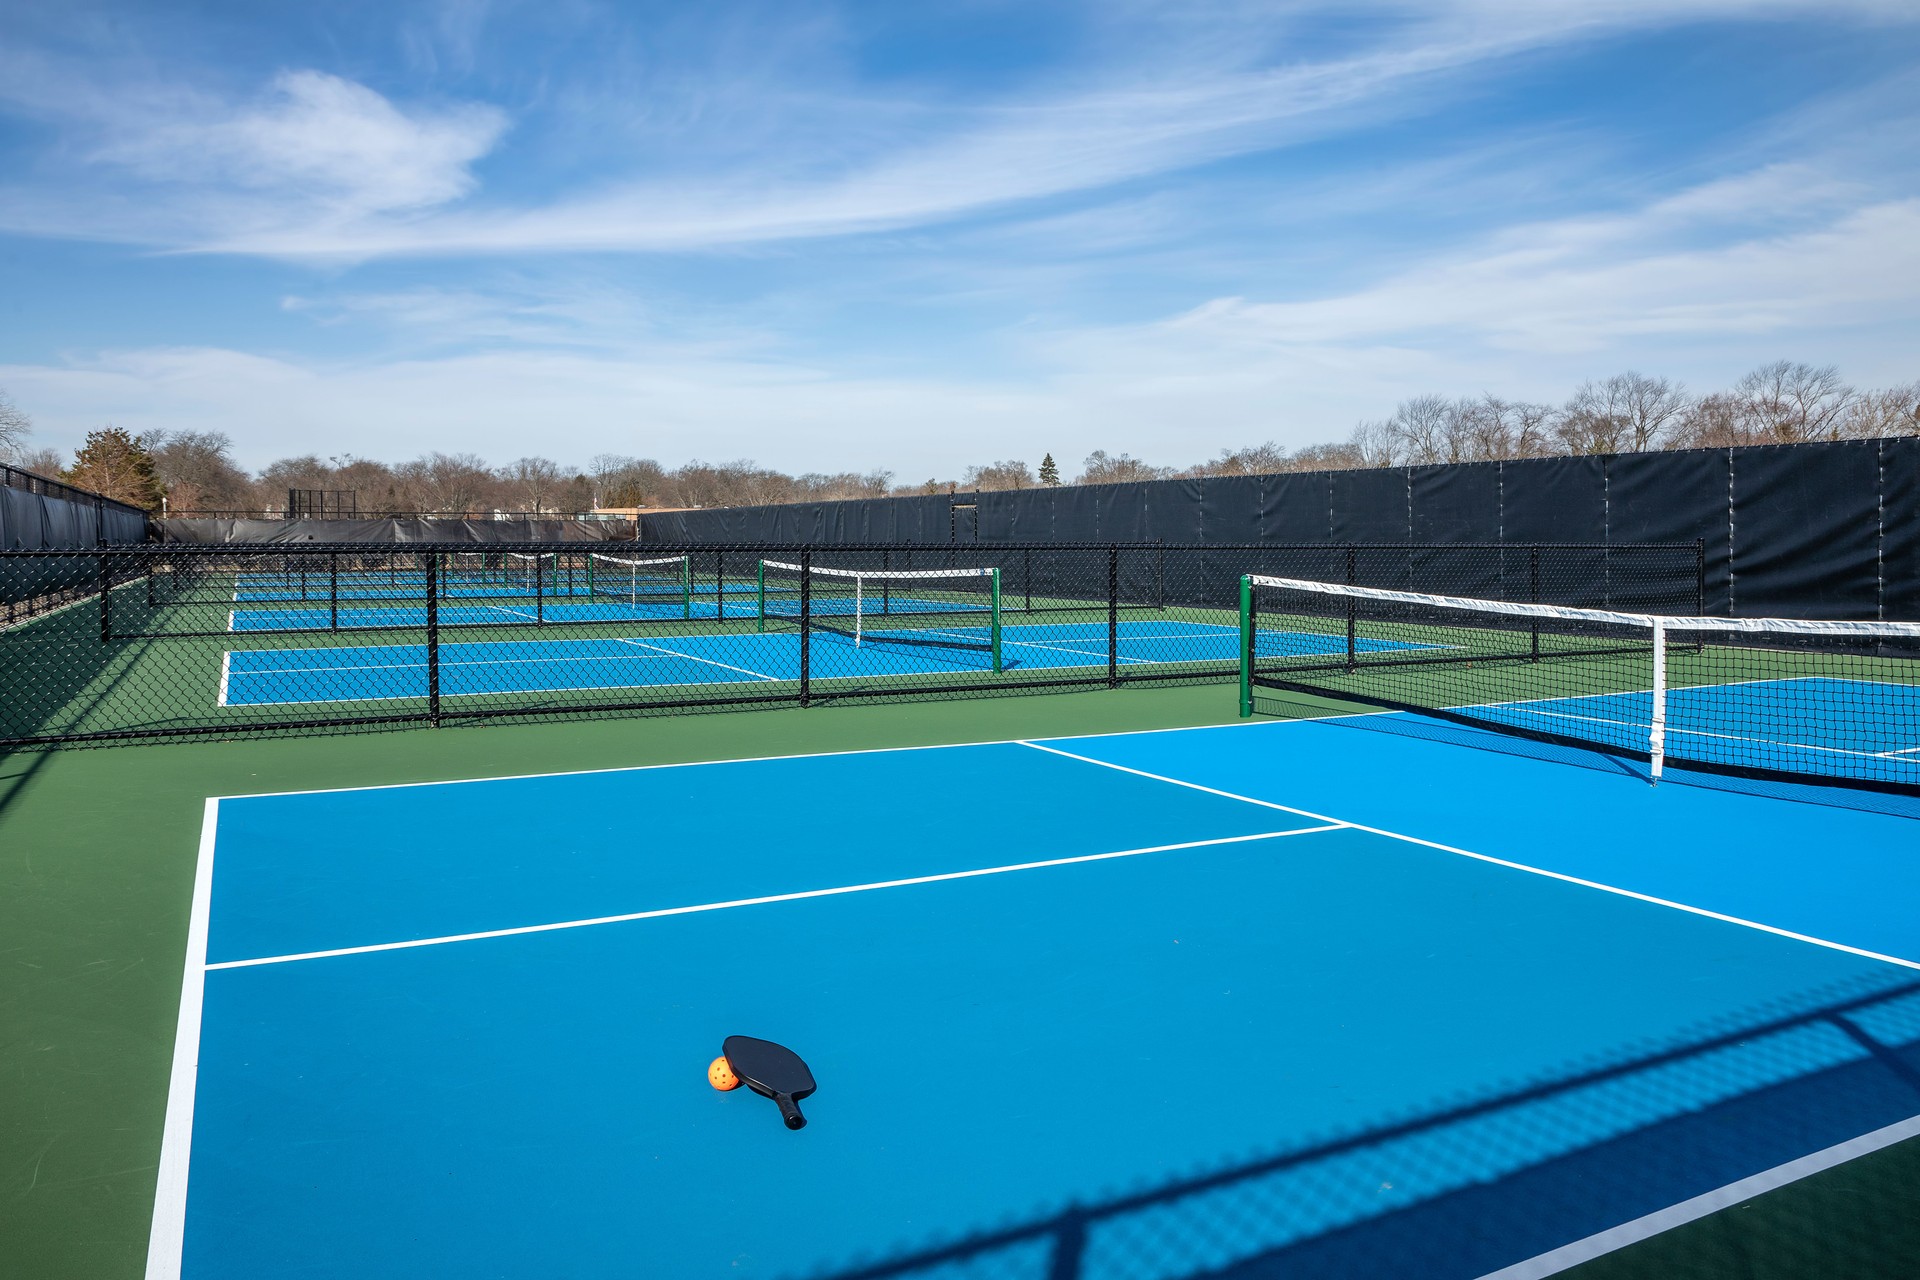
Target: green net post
[(760, 595), (591, 560), (1246, 645), (994, 625), (686, 586)]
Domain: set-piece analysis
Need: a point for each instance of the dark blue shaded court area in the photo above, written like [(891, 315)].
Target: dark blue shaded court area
[(1250, 1001), (1811, 725)]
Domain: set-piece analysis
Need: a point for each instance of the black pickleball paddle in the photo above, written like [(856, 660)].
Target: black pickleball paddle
[(772, 1071)]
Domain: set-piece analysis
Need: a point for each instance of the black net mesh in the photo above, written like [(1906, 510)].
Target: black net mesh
[(1774, 698)]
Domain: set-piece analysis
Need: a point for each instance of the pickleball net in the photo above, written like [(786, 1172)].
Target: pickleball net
[(1779, 698), (954, 609), (660, 580)]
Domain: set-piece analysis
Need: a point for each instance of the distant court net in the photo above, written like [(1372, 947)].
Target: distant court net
[(928, 608), (664, 580), (1834, 702)]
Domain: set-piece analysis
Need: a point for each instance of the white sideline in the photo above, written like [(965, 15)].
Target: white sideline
[(1554, 1261), (168, 1235)]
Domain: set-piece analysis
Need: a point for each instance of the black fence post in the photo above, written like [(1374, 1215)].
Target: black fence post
[(1700, 577), (1353, 606), (1533, 595), (433, 639), (106, 598), (539, 595), (333, 591), (1026, 576), (806, 625), (1113, 616)]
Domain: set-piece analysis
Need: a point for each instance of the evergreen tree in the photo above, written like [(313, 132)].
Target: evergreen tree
[(115, 465), (1049, 472)]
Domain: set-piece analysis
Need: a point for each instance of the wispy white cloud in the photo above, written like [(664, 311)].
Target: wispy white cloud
[(310, 149), (1035, 283), (323, 167), (1531, 314)]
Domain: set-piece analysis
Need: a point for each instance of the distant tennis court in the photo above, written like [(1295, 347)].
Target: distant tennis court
[(371, 672)]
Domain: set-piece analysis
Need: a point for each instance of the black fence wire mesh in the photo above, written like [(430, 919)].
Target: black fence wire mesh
[(162, 640)]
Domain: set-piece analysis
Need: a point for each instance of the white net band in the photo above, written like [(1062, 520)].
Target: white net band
[(1563, 613), (879, 575)]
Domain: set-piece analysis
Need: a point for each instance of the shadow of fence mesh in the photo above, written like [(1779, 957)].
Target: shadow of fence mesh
[(1473, 1185)]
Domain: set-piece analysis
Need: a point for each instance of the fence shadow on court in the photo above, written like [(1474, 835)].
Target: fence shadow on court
[(1474, 1185)]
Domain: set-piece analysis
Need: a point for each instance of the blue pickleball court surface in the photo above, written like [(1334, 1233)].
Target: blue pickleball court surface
[(1280, 999)]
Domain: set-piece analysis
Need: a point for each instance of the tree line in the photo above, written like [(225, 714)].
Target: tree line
[(193, 471)]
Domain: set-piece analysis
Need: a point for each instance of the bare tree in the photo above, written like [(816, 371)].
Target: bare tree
[(43, 462), (1253, 460), (1101, 469), (1328, 456), (1788, 402), (1010, 474), (454, 482), (533, 481), (1894, 411), (620, 481), (1375, 444), (1650, 407), (841, 486), (1712, 422), (1427, 429), (196, 469), (1593, 421), (15, 427), (1627, 413)]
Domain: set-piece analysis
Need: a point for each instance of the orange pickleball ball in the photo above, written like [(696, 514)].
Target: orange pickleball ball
[(721, 1076)]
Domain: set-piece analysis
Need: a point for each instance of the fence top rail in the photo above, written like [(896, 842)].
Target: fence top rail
[(12, 477), (550, 547), (280, 515)]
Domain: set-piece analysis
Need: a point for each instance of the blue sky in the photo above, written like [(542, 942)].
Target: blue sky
[(924, 235)]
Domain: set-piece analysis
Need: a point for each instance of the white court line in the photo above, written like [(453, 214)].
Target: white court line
[(1101, 655), (168, 1234), (226, 672), (1554, 1261), (1488, 858), (758, 675), (797, 896)]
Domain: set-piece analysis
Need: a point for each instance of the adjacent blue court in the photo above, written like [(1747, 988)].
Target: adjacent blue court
[(1813, 725), (1304, 998), (562, 611), (373, 672)]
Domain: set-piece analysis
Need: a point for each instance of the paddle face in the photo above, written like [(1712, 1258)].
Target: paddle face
[(772, 1071)]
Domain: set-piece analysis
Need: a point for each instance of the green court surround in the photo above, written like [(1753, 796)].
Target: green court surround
[(97, 852)]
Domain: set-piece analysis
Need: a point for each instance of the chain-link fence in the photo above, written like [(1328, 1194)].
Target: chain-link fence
[(150, 641)]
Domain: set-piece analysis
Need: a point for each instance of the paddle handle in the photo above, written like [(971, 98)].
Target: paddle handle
[(790, 1112)]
